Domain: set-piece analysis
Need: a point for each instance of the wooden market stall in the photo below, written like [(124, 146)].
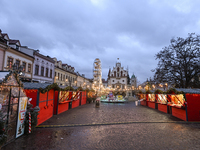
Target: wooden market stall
[(83, 97), (143, 99), (76, 99), (162, 102), (53, 99), (151, 101), (42, 95), (186, 106), (63, 101)]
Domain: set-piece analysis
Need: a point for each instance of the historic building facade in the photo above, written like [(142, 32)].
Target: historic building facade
[(118, 77), (13, 58), (64, 74), (3, 47), (35, 67)]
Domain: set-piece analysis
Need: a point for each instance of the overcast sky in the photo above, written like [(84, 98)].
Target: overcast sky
[(78, 31)]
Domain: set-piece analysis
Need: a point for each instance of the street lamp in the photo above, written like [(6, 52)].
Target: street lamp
[(19, 70)]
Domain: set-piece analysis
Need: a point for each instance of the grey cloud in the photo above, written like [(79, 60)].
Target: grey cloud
[(79, 31)]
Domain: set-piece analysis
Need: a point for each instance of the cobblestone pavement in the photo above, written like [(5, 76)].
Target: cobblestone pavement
[(112, 127)]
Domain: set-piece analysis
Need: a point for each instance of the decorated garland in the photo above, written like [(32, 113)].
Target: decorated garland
[(148, 92), (158, 91), (172, 90), (140, 92)]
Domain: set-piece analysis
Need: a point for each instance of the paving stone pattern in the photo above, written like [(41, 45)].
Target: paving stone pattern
[(150, 129)]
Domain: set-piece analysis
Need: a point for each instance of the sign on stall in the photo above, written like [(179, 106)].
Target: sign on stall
[(21, 116)]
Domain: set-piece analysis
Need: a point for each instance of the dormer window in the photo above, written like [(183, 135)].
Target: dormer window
[(17, 47)]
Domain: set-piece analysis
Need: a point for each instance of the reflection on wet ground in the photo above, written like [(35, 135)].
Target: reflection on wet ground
[(171, 133)]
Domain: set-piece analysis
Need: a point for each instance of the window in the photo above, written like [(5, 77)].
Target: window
[(29, 68), (55, 74), (24, 66), (36, 69), (42, 71), (113, 80), (58, 76), (113, 86), (122, 80), (17, 64), (50, 73), (63, 77), (47, 72), (10, 62), (17, 47)]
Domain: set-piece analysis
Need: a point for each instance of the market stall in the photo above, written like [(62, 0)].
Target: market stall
[(151, 101), (143, 99), (177, 106), (76, 99), (162, 102), (42, 95), (64, 101), (193, 105), (83, 97), (13, 104)]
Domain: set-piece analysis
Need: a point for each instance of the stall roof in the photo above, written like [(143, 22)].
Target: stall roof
[(192, 91), (30, 85)]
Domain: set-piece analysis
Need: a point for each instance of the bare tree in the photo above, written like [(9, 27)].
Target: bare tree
[(179, 62)]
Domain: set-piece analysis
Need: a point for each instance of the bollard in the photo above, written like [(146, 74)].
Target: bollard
[(136, 103)]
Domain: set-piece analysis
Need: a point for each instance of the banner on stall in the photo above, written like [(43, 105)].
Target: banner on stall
[(21, 116)]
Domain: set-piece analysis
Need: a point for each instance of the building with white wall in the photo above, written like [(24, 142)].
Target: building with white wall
[(118, 77), (13, 55), (43, 66), (3, 47)]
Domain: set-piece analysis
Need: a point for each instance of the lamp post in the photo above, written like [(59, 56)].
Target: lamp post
[(18, 69)]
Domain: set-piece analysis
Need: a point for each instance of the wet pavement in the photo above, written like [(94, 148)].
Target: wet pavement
[(112, 126)]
